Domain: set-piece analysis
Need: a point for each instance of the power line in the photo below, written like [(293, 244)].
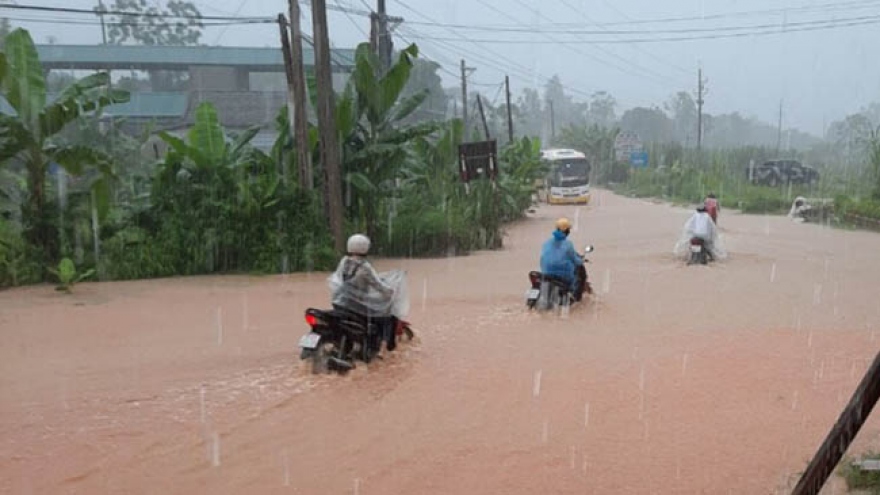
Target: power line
[(581, 52), (122, 13), (514, 69), (636, 48), (775, 30), (240, 6), (351, 19), (607, 32), (57, 20), (856, 5)]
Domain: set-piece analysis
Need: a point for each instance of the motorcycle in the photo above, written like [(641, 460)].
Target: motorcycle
[(551, 293), (337, 338), (699, 254)]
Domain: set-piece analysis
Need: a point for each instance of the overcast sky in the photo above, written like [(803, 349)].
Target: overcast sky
[(822, 74)]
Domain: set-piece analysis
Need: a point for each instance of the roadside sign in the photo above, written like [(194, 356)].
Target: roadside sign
[(639, 159)]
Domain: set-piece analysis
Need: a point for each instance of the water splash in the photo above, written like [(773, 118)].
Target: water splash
[(572, 456), (215, 450), (245, 323), (794, 401), (357, 486), (425, 293), (642, 379), (606, 283), (202, 410), (545, 432), (810, 339), (285, 459), (219, 326), (773, 273), (586, 415), (684, 363), (536, 384), (817, 294)]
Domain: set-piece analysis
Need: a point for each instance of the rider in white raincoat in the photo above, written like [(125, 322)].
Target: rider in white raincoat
[(700, 225), (357, 288)]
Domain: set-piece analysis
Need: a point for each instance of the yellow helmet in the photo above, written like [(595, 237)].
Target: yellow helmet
[(563, 224)]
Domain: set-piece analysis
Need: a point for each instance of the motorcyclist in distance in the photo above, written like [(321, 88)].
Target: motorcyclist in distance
[(559, 259), (701, 226)]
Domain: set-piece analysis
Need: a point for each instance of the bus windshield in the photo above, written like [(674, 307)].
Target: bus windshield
[(569, 172)]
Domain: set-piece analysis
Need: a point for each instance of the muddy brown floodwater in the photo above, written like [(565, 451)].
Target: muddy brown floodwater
[(674, 379)]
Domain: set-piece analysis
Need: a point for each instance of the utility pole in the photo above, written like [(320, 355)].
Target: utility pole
[(327, 123), (465, 70), (384, 44), (509, 113), (701, 93), (483, 116), (301, 98), (779, 130), (101, 11), (291, 98), (552, 123), (842, 433)]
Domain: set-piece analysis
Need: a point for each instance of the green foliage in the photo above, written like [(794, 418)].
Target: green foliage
[(67, 275), (856, 478), (27, 137), (16, 266), (215, 204), (218, 205), (179, 24)]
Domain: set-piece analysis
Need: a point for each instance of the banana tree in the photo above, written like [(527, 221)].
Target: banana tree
[(370, 115), (26, 138)]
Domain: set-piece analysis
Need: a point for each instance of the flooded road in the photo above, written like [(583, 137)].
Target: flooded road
[(673, 379)]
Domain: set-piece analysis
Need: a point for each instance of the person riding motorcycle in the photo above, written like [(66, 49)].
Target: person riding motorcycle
[(701, 226), (560, 260), (362, 292), (711, 203)]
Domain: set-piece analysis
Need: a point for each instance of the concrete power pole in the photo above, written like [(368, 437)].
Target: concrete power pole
[(509, 113), (701, 93), (296, 97), (779, 131), (385, 43), (465, 70), (301, 99), (552, 123), (327, 124), (291, 98)]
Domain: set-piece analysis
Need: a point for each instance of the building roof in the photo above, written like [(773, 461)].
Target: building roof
[(145, 57)]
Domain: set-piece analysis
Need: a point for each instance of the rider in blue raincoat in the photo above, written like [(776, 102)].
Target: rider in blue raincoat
[(559, 258)]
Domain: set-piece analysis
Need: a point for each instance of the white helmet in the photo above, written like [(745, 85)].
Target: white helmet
[(358, 244)]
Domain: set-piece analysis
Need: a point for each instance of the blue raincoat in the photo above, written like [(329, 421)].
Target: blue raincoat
[(559, 258)]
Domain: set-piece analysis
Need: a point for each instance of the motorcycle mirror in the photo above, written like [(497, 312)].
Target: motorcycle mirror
[(588, 249)]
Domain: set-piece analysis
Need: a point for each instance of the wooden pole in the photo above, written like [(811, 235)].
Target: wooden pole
[(301, 99), (483, 116), (327, 123), (509, 113), (291, 99), (464, 98), (842, 434)]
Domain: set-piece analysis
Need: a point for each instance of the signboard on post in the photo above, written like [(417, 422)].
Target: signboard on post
[(478, 159), (639, 159), (625, 144)]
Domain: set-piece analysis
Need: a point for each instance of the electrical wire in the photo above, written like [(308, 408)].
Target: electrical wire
[(237, 11), (858, 5), (121, 13), (776, 30)]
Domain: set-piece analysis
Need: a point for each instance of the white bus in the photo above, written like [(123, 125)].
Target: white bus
[(568, 177)]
